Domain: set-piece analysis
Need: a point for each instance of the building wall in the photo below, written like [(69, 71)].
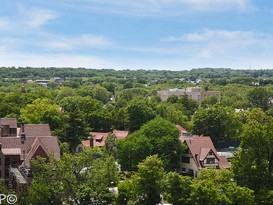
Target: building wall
[(196, 93), (2, 165), (10, 160), (185, 168)]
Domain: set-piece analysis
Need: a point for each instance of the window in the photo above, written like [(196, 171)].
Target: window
[(12, 130), (7, 161), (210, 160), (185, 159), (14, 161), (191, 173)]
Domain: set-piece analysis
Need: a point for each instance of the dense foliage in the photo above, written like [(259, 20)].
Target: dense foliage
[(103, 100)]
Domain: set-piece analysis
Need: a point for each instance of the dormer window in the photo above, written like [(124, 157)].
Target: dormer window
[(210, 160)]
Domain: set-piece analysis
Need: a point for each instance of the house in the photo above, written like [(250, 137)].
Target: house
[(97, 139), (195, 93), (200, 153), (16, 151)]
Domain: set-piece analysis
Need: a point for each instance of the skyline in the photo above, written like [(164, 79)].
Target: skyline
[(146, 34)]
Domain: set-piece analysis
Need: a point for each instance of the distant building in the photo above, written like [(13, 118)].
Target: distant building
[(194, 93)]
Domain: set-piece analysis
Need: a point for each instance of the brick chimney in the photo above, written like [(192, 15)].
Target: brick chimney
[(23, 89), (91, 138), (23, 135)]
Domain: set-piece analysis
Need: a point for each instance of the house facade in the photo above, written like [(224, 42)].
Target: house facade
[(200, 153)]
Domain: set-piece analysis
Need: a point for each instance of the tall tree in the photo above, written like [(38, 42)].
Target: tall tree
[(43, 111), (139, 112), (218, 122), (77, 179), (259, 97), (253, 164), (177, 188), (148, 181), (158, 136)]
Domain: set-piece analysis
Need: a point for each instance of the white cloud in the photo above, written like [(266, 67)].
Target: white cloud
[(4, 23), (83, 41), (18, 59), (37, 17), (164, 7)]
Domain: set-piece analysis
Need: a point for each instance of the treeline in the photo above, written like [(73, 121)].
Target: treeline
[(145, 75)]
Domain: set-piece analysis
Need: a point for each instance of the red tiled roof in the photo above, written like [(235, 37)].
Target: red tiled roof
[(12, 122), (35, 130), (223, 163), (86, 143), (99, 138), (48, 143), (120, 134), (11, 151), (181, 129), (203, 153), (200, 147)]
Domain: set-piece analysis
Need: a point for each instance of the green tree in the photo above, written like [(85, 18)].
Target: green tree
[(218, 122), (75, 179), (139, 112), (190, 105), (110, 144), (210, 100), (43, 111), (100, 93), (147, 182), (172, 99), (253, 164), (177, 188), (259, 97), (155, 137), (218, 187)]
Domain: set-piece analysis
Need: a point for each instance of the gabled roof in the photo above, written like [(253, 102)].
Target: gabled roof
[(120, 134), (12, 122), (199, 147), (181, 129), (99, 138), (35, 130), (13, 146)]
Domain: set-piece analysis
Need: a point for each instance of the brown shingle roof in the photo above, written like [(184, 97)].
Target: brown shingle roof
[(12, 122), (120, 134), (181, 129), (99, 138), (35, 130), (200, 147), (48, 143)]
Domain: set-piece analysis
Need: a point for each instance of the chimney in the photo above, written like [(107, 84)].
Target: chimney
[(23, 127), (91, 138), (23, 135), (23, 89)]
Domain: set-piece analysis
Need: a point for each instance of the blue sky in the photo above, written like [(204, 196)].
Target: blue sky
[(142, 34)]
